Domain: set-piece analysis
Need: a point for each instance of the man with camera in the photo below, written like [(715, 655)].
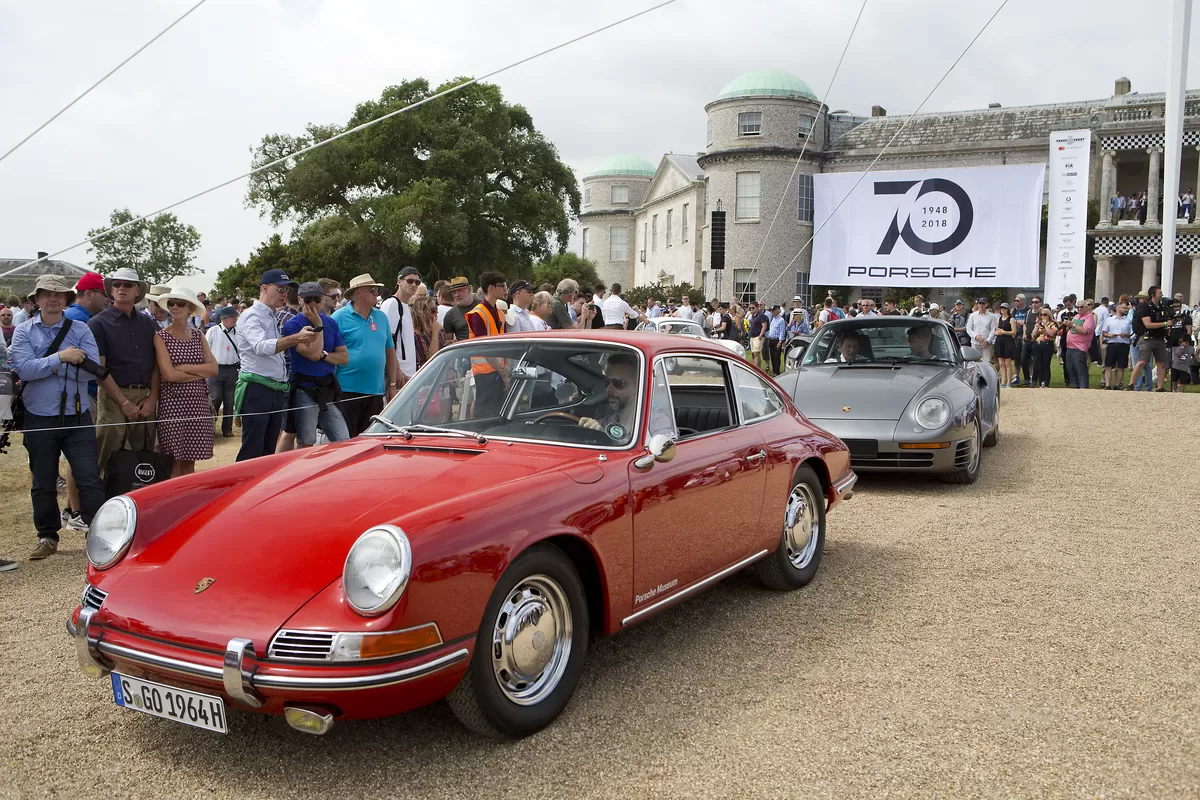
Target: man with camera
[(55, 358), (1151, 324)]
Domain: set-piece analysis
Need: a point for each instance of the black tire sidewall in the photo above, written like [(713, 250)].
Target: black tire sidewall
[(802, 577), (508, 717)]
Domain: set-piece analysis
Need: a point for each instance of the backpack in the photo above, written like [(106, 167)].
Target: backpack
[(1139, 327)]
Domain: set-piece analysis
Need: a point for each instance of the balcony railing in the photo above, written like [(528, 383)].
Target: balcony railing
[(1191, 108)]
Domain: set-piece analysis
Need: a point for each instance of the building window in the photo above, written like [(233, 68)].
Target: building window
[(872, 293), (750, 123), (748, 187), (618, 244), (585, 242), (683, 221), (620, 195), (806, 125), (587, 195), (803, 289), (654, 233), (669, 213), (710, 130), (745, 285), (805, 193), (645, 238)]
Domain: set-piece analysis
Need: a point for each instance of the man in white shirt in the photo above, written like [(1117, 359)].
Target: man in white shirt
[(653, 309), (598, 294), (981, 329), (520, 295), (222, 341), (616, 310), (400, 322), (24, 312)]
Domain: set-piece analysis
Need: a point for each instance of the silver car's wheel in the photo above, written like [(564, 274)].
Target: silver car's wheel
[(969, 473), (801, 532), (531, 640)]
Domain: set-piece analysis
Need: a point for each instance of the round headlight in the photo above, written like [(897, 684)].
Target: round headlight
[(933, 413), (111, 532), (377, 570)]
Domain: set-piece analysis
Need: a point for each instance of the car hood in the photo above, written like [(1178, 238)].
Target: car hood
[(875, 392), (271, 543)]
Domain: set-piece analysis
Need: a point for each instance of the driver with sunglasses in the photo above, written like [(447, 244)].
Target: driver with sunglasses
[(616, 415)]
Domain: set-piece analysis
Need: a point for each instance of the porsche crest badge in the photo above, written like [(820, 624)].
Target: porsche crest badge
[(203, 584), (846, 409)]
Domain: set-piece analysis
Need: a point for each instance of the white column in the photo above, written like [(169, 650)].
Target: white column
[(1179, 27), (1194, 289), (1149, 272), (1106, 187), (1153, 198), (1104, 277)]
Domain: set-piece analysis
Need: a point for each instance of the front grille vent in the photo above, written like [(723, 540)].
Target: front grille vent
[(92, 597), (904, 459), (302, 646)]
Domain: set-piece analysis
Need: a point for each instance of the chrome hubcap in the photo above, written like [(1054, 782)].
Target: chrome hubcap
[(974, 451), (531, 640), (801, 528)]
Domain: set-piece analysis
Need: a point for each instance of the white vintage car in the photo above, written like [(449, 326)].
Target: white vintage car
[(686, 327)]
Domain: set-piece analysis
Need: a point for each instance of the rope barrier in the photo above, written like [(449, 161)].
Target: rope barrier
[(348, 132), (107, 75)]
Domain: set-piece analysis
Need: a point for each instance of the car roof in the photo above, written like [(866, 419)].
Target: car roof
[(649, 343), (882, 321)]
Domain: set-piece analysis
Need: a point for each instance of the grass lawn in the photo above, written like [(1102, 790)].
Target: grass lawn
[(1096, 377)]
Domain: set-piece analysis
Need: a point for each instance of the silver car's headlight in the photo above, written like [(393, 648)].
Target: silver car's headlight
[(111, 532), (377, 570), (933, 413)]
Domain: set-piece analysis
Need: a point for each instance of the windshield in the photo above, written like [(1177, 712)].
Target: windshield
[(915, 340), (682, 326), (564, 392)]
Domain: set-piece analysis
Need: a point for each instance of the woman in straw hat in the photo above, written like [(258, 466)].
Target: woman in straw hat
[(185, 429)]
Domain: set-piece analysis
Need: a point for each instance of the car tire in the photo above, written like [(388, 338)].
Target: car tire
[(993, 437), (539, 597), (797, 558), (970, 473)]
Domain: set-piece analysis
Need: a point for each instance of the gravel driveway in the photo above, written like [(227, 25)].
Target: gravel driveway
[(1025, 636)]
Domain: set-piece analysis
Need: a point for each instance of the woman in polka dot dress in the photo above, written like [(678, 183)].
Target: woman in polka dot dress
[(185, 428)]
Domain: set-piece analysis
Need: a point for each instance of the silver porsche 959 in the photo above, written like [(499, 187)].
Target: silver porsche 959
[(901, 393)]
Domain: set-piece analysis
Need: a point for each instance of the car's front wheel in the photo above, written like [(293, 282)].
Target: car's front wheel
[(529, 650), (970, 472), (795, 562)]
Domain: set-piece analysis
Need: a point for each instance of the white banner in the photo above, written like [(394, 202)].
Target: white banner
[(939, 228), (1070, 158)]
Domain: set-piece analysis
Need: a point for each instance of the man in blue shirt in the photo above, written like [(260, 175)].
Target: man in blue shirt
[(90, 300), (776, 332), (372, 370), (56, 403), (315, 391)]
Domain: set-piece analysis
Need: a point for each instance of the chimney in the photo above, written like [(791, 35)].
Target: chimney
[(1123, 86), (42, 254), (878, 111), (993, 105)]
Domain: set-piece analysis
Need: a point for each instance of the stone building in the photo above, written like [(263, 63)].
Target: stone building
[(767, 135), (20, 280)]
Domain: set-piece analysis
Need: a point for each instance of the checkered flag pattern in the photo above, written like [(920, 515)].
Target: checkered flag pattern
[(1144, 244), (1142, 141)]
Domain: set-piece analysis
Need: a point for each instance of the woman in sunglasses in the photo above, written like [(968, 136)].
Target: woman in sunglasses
[(185, 425)]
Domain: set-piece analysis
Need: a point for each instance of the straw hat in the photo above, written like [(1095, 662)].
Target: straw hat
[(360, 282), (124, 274), (181, 294), (156, 291), (53, 283)]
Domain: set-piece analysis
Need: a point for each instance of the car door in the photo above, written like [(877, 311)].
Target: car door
[(689, 514), (760, 409)]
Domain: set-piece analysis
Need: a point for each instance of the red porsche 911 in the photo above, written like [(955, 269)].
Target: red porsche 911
[(521, 496)]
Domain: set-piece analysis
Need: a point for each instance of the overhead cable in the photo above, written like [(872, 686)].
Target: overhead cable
[(107, 75), (348, 132)]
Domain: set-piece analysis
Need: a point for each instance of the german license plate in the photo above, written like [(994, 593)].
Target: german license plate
[(190, 708)]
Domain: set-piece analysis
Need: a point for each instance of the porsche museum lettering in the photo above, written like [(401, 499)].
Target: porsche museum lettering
[(922, 272), (662, 587)]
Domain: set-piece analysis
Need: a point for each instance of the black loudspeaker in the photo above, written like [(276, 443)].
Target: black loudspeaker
[(716, 236)]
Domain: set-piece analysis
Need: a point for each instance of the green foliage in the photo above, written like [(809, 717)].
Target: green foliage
[(566, 265), (638, 295), (158, 248), (242, 280), (457, 186)]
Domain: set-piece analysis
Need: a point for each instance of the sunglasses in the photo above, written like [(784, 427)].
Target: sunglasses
[(334, 296), (413, 281), (178, 304), (311, 299), (616, 383), (123, 285)]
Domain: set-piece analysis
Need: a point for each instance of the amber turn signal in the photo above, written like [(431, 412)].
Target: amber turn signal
[(924, 445), (394, 643)]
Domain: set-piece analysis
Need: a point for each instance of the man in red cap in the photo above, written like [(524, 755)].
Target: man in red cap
[(90, 300)]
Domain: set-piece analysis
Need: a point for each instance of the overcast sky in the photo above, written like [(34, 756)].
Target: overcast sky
[(184, 114)]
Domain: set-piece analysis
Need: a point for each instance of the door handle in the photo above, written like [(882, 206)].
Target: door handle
[(759, 456)]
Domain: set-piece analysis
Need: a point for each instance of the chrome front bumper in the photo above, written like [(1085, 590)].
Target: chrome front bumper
[(240, 683)]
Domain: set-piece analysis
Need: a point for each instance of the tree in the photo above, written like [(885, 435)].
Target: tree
[(242, 280), (638, 295), (566, 265), (457, 186), (158, 248)]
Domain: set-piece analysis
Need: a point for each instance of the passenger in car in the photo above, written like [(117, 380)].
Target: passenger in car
[(616, 415), (920, 340), (849, 350)]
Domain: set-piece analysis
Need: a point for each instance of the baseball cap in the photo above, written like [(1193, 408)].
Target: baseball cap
[(227, 311), (1004, 305), (90, 280), (404, 273), (934, 307), (311, 289), (277, 277), (518, 285), (959, 302)]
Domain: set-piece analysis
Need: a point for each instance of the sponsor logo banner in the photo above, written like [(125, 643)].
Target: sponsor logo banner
[(940, 228), (1070, 159)]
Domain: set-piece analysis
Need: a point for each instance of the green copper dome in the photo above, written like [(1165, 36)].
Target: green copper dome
[(623, 164), (767, 83)]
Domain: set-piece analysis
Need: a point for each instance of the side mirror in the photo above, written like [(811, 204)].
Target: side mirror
[(971, 354), (796, 352), (660, 450)]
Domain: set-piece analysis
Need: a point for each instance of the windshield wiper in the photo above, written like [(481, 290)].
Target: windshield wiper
[(408, 430), (920, 360)]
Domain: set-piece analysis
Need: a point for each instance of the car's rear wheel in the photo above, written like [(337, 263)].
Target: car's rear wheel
[(529, 650), (969, 473), (796, 561), (993, 437)]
